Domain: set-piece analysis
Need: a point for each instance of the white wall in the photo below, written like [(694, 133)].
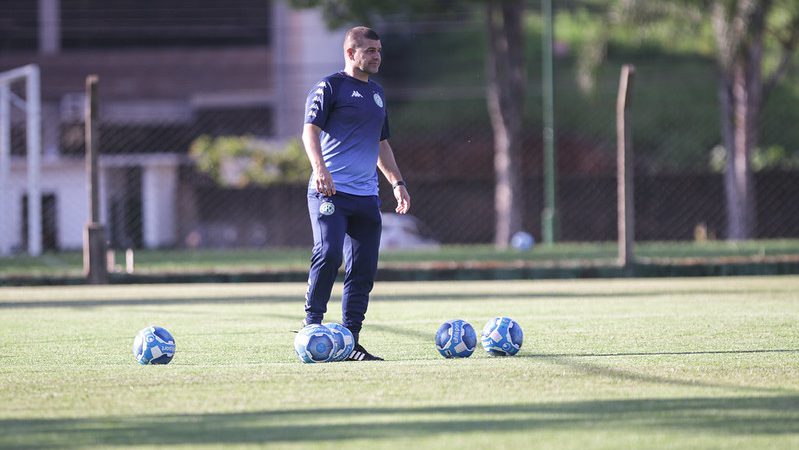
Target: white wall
[(66, 179), (63, 177), (159, 205)]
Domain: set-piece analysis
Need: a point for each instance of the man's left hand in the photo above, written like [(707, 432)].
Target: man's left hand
[(403, 200)]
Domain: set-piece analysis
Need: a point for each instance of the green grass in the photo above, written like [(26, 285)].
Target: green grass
[(647, 363), (249, 260)]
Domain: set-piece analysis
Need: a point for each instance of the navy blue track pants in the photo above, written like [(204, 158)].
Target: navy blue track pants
[(351, 233)]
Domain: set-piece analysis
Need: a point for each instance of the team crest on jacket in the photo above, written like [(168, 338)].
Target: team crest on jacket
[(327, 208), (378, 100)]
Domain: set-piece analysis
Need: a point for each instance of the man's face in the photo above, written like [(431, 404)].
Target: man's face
[(367, 56)]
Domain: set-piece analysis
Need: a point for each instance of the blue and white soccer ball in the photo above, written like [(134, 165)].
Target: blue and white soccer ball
[(153, 345), (344, 339), (456, 339), (316, 344), (522, 241), (502, 336)]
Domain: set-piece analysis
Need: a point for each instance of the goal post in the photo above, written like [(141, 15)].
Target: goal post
[(31, 104)]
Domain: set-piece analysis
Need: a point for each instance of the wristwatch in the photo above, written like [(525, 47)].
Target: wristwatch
[(398, 184)]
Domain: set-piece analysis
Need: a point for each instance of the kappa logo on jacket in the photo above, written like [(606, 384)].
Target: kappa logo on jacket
[(356, 94)]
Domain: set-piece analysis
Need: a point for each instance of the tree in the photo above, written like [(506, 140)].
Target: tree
[(743, 31), (505, 81), (741, 28)]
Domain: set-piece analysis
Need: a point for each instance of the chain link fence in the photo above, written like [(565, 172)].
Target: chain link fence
[(155, 194)]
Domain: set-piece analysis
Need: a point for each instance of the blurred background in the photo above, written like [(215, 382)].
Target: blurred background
[(201, 107)]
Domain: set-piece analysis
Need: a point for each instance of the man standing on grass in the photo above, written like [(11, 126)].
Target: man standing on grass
[(346, 139)]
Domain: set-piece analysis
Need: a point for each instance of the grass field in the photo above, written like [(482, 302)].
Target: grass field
[(645, 363)]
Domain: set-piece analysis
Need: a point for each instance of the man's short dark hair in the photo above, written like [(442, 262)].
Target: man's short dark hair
[(355, 35)]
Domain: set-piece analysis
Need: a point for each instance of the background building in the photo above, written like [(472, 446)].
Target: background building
[(169, 72)]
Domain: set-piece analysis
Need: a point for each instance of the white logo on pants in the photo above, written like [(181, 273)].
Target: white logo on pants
[(327, 208)]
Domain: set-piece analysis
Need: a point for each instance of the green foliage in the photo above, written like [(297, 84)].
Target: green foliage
[(342, 12), (675, 104), (774, 157), (239, 161)]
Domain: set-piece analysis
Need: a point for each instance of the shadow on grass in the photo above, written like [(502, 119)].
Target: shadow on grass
[(734, 417), (593, 369), (701, 352), (499, 296), (149, 301), (574, 295)]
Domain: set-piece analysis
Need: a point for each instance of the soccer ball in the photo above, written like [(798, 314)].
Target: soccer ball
[(456, 339), (153, 345), (502, 336), (344, 340), (316, 344), (522, 241)]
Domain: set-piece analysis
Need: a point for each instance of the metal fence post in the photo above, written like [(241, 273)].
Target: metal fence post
[(624, 168), (94, 254)]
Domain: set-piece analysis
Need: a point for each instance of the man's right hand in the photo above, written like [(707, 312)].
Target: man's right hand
[(324, 182)]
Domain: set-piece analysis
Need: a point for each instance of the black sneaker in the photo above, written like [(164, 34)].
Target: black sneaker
[(360, 354), (303, 324)]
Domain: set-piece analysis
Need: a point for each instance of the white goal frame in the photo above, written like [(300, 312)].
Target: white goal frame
[(32, 106)]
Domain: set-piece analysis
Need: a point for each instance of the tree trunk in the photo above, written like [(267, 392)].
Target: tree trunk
[(740, 96), (738, 174), (505, 94), (738, 180)]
